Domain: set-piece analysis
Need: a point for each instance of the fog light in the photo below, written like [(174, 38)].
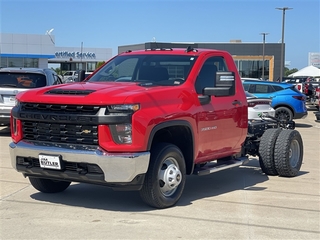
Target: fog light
[(122, 133)]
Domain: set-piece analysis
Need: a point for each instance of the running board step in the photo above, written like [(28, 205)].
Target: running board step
[(217, 166)]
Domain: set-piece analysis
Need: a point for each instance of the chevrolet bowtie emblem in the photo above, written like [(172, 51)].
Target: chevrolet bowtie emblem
[(86, 131)]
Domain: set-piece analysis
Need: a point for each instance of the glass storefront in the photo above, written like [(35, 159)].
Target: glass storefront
[(252, 68), (19, 62), (91, 66), (74, 66)]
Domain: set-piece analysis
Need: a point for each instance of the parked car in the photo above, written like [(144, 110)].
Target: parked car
[(76, 78), (317, 99), (288, 102), (259, 107), (70, 76), (251, 79), (298, 82), (16, 80)]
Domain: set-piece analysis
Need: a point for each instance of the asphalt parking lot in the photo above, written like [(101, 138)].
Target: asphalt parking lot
[(239, 203)]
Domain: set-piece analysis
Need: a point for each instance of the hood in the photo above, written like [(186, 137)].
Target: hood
[(85, 92)]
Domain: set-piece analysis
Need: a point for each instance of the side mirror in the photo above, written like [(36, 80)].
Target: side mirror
[(224, 85)]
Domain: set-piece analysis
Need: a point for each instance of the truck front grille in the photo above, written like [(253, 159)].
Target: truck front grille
[(60, 123), (62, 133)]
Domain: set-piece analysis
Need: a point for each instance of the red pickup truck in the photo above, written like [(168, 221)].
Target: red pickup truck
[(143, 121)]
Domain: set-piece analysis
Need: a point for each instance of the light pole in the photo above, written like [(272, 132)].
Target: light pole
[(81, 54), (282, 40), (263, 45)]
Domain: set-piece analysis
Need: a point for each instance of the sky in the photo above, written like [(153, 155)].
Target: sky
[(113, 23)]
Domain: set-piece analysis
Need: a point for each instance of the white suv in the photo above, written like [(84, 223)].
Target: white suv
[(15, 80)]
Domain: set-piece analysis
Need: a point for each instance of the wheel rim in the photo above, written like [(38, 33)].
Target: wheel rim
[(294, 153), (283, 115), (169, 177)]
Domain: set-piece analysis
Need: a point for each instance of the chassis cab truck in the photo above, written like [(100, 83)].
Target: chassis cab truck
[(144, 121)]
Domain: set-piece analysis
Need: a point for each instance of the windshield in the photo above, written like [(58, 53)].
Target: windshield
[(22, 80), (146, 69)]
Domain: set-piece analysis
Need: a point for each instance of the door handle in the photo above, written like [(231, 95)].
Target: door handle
[(236, 102)]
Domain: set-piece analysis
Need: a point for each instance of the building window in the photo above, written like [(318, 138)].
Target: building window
[(79, 66), (15, 62), (19, 62), (4, 62), (31, 62), (252, 68), (91, 66)]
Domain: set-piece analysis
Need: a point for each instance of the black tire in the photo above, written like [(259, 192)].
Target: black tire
[(266, 151), (164, 182), (48, 186), (284, 114), (288, 153)]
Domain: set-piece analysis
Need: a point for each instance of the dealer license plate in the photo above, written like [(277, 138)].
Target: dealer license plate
[(9, 100), (49, 161)]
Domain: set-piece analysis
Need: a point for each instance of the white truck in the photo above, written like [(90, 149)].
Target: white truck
[(70, 76)]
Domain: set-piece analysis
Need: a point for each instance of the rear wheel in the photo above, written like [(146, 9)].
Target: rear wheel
[(48, 186), (284, 114), (165, 179), (266, 151), (288, 153)]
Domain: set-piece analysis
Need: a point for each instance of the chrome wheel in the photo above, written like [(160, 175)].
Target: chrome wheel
[(169, 177), (165, 179)]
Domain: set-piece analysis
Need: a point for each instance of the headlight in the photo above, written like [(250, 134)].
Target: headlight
[(124, 108), (16, 102), (122, 132)]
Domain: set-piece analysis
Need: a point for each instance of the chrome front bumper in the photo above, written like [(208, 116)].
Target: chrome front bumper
[(117, 167)]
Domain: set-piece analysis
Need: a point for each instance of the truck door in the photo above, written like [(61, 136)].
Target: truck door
[(218, 120)]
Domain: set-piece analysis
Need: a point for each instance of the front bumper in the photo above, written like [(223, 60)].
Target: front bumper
[(299, 115), (114, 169)]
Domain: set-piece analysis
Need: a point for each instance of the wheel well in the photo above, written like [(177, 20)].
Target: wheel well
[(181, 136)]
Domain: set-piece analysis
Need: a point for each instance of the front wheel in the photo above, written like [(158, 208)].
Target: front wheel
[(288, 153), (48, 186), (165, 179)]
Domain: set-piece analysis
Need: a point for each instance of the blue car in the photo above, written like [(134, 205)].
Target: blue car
[(288, 102)]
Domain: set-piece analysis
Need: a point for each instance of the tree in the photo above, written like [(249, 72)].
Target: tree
[(288, 71), (99, 64)]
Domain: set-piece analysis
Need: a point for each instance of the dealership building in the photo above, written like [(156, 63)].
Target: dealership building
[(31, 50), (247, 56)]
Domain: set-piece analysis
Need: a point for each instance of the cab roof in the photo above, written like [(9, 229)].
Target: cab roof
[(180, 51)]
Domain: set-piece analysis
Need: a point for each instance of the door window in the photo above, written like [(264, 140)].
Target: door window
[(207, 74)]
